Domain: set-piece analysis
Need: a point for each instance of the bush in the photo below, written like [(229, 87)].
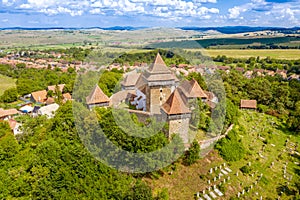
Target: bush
[(245, 169), (230, 148), (9, 96)]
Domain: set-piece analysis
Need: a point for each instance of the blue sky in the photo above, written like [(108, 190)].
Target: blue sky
[(150, 13)]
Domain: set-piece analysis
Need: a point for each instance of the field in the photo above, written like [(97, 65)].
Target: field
[(289, 54), (6, 83), (267, 153)]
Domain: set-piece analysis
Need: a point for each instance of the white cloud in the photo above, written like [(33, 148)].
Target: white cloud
[(8, 2), (206, 1), (234, 12)]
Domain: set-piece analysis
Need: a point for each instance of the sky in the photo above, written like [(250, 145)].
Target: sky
[(149, 13)]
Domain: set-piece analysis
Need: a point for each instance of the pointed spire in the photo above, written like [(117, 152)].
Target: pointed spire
[(196, 90), (97, 96), (192, 89), (175, 105), (159, 66)]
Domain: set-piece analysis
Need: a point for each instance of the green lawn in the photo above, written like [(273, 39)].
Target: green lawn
[(6, 83)]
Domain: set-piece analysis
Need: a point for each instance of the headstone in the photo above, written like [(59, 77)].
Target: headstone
[(251, 186), (203, 192), (220, 166), (249, 164), (224, 181), (261, 198), (239, 194), (228, 178), (213, 195), (207, 197), (224, 172), (218, 192), (215, 179), (243, 192), (227, 169), (198, 195), (237, 173), (216, 168), (208, 181), (224, 164), (211, 171), (252, 175), (209, 188)]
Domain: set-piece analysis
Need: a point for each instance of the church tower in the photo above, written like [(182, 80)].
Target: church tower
[(178, 116), (160, 82)]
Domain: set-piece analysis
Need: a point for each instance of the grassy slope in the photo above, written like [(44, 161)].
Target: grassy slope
[(6, 83), (185, 181)]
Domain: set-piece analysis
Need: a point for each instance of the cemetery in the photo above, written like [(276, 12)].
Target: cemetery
[(266, 171)]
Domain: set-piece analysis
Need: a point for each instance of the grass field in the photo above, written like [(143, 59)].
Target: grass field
[(6, 83), (289, 54), (262, 136)]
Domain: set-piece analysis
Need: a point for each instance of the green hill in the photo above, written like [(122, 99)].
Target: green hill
[(264, 139)]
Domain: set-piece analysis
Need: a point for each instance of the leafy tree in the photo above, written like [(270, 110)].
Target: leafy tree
[(9, 96), (193, 154)]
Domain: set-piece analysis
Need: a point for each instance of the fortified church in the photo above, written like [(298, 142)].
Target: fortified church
[(155, 92)]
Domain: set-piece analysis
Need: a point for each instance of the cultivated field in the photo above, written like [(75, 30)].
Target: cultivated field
[(288, 54), (6, 83)]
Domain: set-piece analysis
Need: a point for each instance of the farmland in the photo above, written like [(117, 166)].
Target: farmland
[(288, 54)]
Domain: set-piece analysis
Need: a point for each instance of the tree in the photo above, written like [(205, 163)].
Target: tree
[(193, 154), (10, 95)]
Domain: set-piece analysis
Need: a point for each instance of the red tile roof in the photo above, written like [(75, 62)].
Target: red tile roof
[(192, 89), (175, 105), (60, 86), (39, 96), (9, 112), (97, 96), (67, 96), (248, 104)]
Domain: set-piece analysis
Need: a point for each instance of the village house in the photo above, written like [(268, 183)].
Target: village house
[(48, 110), (39, 96), (248, 104), (15, 127), (8, 114), (53, 87), (282, 73)]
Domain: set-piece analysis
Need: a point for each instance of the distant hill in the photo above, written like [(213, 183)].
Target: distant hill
[(241, 29), (271, 43), (224, 30), (114, 28)]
